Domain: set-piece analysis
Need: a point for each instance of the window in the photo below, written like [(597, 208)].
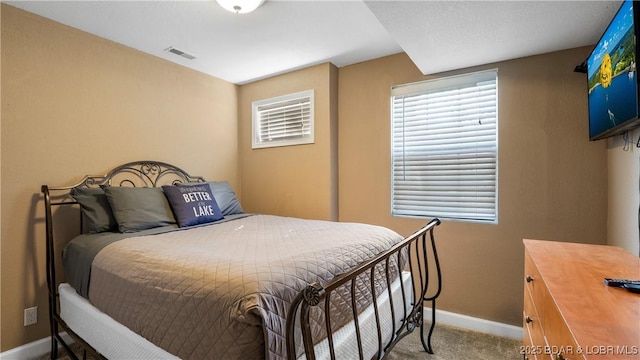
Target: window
[(284, 120), (444, 148)]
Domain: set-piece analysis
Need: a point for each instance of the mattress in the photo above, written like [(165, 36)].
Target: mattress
[(116, 341)]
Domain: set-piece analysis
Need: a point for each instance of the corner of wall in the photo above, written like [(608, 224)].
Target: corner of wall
[(623, 210), (333, 123), (301, 180)]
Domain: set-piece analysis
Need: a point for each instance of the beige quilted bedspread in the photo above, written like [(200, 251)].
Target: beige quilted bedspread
[(222, 291)]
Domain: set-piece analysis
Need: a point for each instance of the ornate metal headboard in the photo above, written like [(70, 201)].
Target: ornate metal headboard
[(137, 174)]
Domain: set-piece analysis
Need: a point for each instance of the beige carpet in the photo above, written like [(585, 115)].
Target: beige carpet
[(448, 343), (451, 343)]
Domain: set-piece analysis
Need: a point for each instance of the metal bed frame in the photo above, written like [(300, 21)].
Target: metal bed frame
[(420, 247)]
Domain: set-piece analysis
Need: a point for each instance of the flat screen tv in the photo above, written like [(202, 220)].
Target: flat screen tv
[(612, 76)]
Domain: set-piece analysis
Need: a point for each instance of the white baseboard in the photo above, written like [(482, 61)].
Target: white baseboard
[(475, 324), (39, 347), (33, 349)]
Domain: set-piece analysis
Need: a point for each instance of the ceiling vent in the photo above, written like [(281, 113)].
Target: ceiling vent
[(185, 55)]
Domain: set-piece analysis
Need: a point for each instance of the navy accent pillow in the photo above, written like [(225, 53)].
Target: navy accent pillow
[(193, 204), (224, 195), (95, 208)]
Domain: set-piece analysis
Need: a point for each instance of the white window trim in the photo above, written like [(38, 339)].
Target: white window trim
[(258, 143), (439, 85)]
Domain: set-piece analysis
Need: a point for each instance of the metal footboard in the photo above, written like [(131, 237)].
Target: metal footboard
[(424, 266)]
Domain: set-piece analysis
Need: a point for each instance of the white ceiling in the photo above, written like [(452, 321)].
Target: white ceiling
[(281, 36)]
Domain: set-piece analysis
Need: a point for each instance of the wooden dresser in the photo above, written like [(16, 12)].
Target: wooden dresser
[(569, 313)]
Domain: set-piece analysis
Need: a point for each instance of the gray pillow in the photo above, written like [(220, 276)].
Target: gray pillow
[(95, 209), (225, 197), (139, 208)]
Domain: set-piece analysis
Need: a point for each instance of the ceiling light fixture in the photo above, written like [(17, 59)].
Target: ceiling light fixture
[(240, 6)]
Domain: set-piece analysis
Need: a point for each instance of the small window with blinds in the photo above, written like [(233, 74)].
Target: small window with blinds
[(445, 148), (283, 121)]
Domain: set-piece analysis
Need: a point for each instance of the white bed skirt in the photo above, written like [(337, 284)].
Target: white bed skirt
[(116, 341)]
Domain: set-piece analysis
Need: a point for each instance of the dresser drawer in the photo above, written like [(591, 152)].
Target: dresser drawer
[(533, 284), (528, 349), (532, 327), (532, 349)]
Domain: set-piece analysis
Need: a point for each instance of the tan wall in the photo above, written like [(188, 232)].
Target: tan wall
[(552, 180), (74, 104), (300, 180)]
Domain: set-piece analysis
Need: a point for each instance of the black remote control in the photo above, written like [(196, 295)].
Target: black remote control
[(632, 288), (620, 282)]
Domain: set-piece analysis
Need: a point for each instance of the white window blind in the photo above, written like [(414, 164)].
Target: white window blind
[(444, 148), (284, 120)]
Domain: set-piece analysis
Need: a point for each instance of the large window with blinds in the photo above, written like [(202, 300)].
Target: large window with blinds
[(445, 148), (284, 120)]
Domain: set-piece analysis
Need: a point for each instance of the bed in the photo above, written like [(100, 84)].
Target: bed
[(168, 265)]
